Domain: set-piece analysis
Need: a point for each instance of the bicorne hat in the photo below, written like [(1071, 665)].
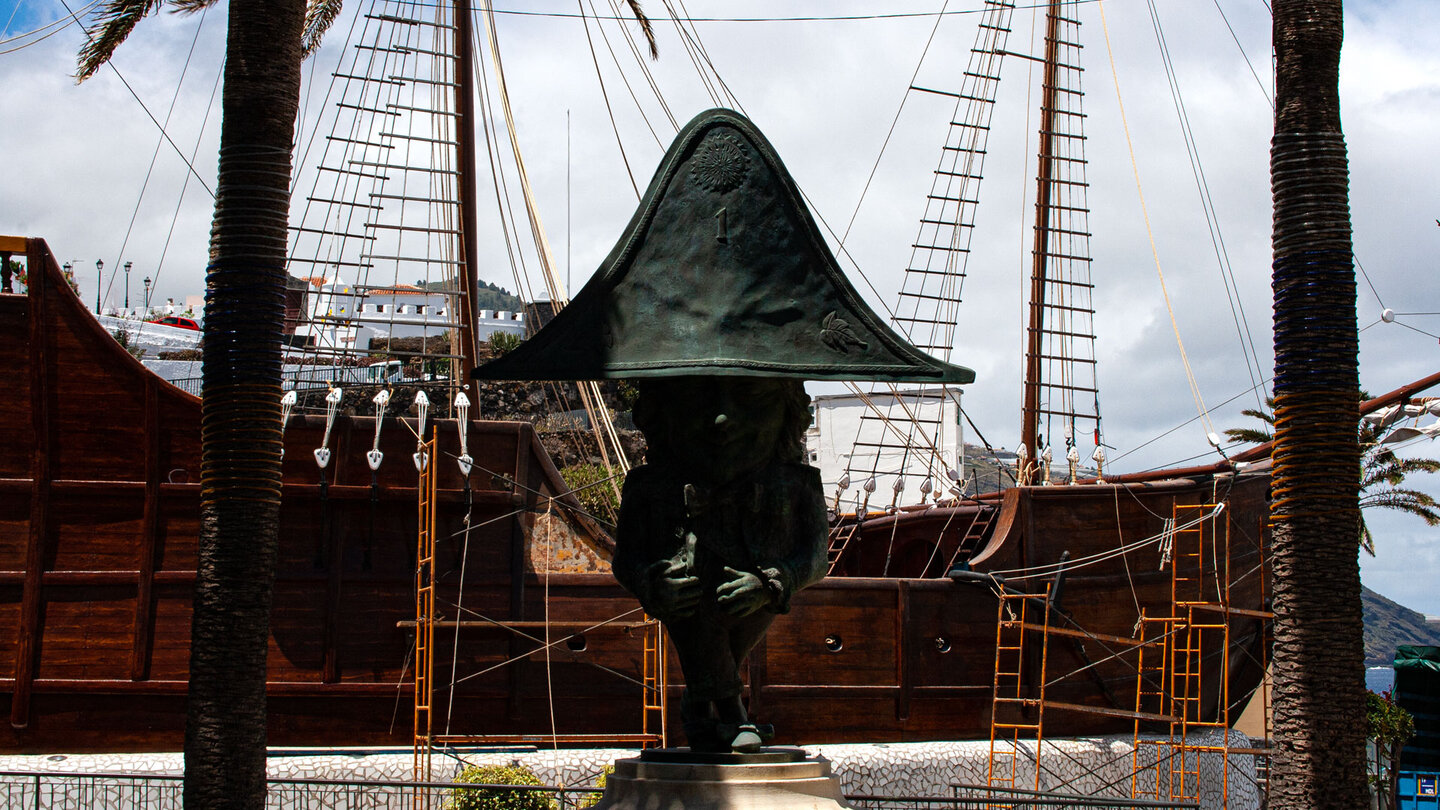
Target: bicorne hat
[(721, 271)]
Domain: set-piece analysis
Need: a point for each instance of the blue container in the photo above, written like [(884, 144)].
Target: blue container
[(1419, 790)]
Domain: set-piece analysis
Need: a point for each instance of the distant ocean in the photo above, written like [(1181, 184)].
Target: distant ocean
[(1379, 679)]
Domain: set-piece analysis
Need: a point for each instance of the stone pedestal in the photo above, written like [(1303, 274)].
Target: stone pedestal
[(676, 778)]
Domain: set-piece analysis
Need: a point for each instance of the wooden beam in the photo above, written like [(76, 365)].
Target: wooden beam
[(27, 634), (1110, 712), (144, 626), (1081, 634), (587, 626), (902, 664), (517, 561)]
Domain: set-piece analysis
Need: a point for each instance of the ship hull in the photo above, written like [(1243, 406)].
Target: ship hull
[(99, 465)]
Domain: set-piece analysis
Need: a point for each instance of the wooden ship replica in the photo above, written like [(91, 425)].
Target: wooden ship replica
[(468, 599)]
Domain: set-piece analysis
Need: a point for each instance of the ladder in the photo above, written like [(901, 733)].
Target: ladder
[(1152, 696), (424, 616), (1011, 695), (653, 709), (839, 539), (895, 440), (1200, 619), (970, 541)]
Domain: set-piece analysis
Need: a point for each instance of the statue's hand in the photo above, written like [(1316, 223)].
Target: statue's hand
[(743, 594), (674, 594)]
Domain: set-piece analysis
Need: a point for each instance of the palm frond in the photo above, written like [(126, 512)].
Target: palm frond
[(1416, 465), (1248, 435), (1255, 435), (1367, 540), (319, 15), (645, 27), (1410, 501), (1376, 474), (113, 23), (191, 6), (1264, 416), (1388, 468)]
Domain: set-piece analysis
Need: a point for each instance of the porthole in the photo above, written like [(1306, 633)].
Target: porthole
[(833, 643), (576, 643), (942, 644)]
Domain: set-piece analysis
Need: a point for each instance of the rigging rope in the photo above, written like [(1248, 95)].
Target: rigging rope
[(59, 24), (607, 438), (604, 94), (154, 157), (1150, 233), (1207, 204)]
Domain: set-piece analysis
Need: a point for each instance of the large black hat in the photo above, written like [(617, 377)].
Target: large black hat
[(720, 272)]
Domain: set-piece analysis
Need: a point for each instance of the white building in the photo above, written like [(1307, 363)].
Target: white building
[(342, 316), (913, 437)]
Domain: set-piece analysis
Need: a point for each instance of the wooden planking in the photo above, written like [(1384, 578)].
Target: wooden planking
[(169, 653), (94, 532), (9, 617), (14, 524), (16, 429), (796, 647), (87, 634), (177, 530), (951, 635)]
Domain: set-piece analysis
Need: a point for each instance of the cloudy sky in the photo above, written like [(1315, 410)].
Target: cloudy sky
[(825, 81)]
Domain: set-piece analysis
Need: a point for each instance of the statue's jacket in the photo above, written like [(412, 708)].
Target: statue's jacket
[(771, 523)]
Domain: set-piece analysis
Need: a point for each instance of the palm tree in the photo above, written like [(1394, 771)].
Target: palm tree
[(1319, 659), (1381, 471), (225, 724)]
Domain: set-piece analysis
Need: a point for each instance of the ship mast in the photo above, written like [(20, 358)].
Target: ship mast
[(1059, 340), (1044, 181), (466, 179)]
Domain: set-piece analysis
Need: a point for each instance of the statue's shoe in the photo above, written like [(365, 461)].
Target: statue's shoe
[(747, 740)]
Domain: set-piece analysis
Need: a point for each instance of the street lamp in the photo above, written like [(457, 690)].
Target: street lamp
[(99, 282), (127, 285), (147, 296)]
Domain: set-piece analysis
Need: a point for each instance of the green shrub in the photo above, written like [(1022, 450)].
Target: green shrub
[(594, 798), (498, 798), (502, 343), (597, 496), (127, 343)]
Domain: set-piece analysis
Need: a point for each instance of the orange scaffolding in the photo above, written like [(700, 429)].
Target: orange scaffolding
[(1019, 688), (424, 615), (655, 679), (1172, 678)]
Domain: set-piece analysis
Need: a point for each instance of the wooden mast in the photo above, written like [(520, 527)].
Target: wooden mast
[(466, 178), (1041, 252)]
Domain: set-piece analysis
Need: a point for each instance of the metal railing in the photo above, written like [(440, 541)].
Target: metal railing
[(979, 796), (130, 791), (54, 790)]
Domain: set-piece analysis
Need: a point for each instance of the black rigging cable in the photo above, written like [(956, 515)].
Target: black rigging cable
[(151, 115)]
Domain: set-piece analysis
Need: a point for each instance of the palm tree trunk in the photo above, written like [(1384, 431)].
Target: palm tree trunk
[(240, 423), (1319, 655)]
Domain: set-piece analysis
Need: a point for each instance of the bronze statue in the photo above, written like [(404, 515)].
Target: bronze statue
[(719, 300), (718, 529)]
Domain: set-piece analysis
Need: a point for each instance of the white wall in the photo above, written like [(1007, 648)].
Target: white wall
[(836, 443)]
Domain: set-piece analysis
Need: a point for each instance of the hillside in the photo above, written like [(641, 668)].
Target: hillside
[(1388, 625)]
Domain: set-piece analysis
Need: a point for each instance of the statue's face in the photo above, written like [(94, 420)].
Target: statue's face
[(721, 428)]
